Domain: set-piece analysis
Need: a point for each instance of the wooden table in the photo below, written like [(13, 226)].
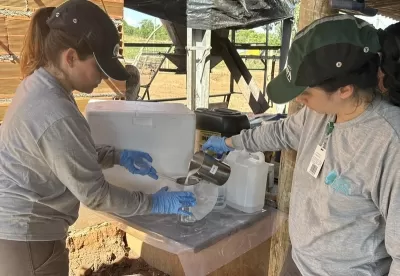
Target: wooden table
[(238, 249)]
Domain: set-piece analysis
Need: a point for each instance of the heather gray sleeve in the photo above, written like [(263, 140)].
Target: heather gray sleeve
[(69, 150), (388, 191), (107, 156), (273, 136)]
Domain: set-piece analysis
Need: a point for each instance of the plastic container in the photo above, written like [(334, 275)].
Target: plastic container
[(218, 122), (206, 196), (247, 183), (221, 199), (188, 186), (164, 130)]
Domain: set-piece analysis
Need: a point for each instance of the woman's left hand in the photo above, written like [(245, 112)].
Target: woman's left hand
[(138, 162)]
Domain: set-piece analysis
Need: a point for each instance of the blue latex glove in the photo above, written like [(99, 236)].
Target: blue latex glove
[(165, 202), (137, 162), (217, 145)]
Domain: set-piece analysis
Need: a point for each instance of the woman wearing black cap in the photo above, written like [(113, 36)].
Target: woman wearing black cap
[(49, 163), (345, 198)]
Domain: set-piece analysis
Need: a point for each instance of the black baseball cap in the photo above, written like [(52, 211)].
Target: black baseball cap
[(329, 48), (85, 20)]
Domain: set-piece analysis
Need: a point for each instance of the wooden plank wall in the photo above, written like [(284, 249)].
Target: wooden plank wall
[(390, 8), (114, 7), (14, 21)]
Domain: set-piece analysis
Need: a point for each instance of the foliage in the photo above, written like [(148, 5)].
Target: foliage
[(147, 26), (145, 29)]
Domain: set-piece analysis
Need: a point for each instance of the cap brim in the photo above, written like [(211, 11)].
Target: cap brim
[(112, 68), (280, 90)]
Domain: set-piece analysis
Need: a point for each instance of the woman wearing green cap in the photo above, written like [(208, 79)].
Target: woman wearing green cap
[(49, 163), (345, 199)]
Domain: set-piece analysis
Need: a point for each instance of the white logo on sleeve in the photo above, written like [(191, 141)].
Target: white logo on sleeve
[(116, 50), (289, 73)]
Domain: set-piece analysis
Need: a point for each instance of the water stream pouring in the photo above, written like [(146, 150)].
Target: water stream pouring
[(192, 172), (204, 171)]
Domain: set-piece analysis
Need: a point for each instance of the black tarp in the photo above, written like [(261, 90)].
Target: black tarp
[(216, 14)]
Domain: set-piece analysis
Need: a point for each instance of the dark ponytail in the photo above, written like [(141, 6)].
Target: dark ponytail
[(390, 61), (33, 52), (42, 45)]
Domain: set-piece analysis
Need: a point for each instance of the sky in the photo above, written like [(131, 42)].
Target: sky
[(133, 18)]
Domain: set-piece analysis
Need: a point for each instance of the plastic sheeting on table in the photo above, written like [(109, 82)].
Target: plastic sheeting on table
[(212, 15), (220, 238), (206, 193)]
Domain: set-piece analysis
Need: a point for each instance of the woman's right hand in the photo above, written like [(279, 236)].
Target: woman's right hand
[(217, 145), (165, 202)]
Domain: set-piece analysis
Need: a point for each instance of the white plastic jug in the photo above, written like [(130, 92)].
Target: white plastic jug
[(247, 183)]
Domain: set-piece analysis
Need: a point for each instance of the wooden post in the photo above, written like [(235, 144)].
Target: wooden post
[(198, 68), (287, 26), (310, 10)]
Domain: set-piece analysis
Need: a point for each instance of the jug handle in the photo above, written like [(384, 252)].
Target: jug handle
[(259, 156)]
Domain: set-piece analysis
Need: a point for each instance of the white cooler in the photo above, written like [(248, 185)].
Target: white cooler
[(165, 130)]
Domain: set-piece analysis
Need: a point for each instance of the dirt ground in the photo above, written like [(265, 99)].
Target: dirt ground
[(101, 250), (170, 85)]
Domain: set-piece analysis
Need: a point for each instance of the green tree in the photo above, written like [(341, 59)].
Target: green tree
[(128, 30), (146, 28), (162, 34), (249, 36)]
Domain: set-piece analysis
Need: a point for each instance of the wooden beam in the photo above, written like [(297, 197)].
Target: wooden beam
[(9, 70), (3, 36), (19, 5), (242, 76), (16, 30), (310, 10), (10, 77), (37, 4), (114, 8), (383, 3)]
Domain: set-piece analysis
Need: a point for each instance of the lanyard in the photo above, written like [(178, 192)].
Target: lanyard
[(319, 156), (329, 129)]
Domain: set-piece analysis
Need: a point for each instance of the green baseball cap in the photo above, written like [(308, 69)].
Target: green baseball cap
[(328, 48)]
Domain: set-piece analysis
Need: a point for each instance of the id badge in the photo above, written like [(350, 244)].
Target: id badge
[(317, 161)]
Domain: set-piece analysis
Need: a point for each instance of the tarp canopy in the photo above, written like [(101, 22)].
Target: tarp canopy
[(216, 14)]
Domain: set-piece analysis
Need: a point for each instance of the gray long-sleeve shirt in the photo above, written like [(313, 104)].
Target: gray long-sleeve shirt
[(49, 163), (351, 226)]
